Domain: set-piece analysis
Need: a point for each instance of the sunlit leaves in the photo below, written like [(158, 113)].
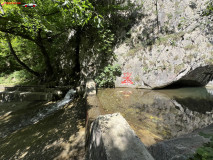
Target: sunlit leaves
[(108, 76), (77, 12), (209, 9)]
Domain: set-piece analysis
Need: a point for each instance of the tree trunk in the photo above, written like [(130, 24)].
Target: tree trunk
[(77, 67), (157, 17), (39, 42), (17, 59)]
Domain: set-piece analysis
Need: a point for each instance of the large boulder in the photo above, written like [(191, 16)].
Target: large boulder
[(183, 147), (171, 44), (113, 139)]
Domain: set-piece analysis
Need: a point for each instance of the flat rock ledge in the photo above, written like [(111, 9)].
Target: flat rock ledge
[(113, 139)]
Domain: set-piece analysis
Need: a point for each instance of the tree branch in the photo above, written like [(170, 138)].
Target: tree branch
[(13, 52), (17, 34), (45, 54), (17, 59)]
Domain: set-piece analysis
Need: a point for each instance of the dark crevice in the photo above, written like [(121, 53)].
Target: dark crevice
[(184, 83)]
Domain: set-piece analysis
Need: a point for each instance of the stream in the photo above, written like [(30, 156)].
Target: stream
[(157, 115), (42, 130)]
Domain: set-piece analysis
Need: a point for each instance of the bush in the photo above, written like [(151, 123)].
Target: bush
[(107, 77), (17, 77), (209, 10), (206, 151)]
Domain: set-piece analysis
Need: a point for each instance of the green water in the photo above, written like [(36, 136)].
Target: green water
[(156, 115)]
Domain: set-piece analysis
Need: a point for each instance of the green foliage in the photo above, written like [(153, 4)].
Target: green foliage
[(16, 77), (7, 62), (209, 10), (169, 16), (108, 76), (106, 38), (206, 151), (44, 31), (133, 51), (137, 78), (170, 39), (189, 47)]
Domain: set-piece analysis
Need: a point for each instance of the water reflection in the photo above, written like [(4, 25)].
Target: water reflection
[(160, 114)]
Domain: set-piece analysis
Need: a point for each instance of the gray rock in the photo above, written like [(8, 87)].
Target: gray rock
[(90, 87), (168, 45), (113, 139), (180, 148), (210, 84), (30, 93)]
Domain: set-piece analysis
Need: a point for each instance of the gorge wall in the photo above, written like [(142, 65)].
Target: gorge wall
[(172, 44)]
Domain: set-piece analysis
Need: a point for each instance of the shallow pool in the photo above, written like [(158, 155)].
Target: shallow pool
[(156, 115)]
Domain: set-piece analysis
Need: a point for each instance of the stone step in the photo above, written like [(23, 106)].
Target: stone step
[(32, 93), (27, 88), (8, 96), (33, 88)]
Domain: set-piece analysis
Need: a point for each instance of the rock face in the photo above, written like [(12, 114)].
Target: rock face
[(180, 148), (210, 83), (113, 139), (171, 44)]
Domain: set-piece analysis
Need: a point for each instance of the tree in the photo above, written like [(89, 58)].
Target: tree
[(13, 52), (37, 24), (44, 28)]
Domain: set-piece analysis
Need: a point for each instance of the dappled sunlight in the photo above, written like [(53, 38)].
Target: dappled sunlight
[(22, 154), (113, 138), (5, 117), (120, 143), (73, 148), (56, 136), (20, 114), (49, 103)]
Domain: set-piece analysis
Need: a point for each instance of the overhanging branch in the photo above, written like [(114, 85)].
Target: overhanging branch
[(17, 58)]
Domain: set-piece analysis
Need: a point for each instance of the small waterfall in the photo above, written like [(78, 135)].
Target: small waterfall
[(41, 114), (47, 111)]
